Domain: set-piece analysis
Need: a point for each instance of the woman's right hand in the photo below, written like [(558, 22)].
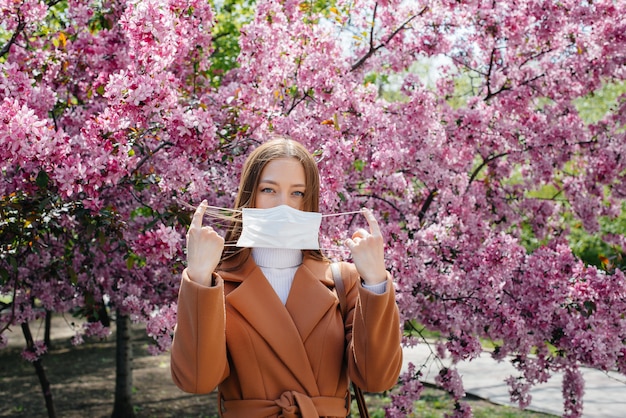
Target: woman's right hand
[(204, 248)]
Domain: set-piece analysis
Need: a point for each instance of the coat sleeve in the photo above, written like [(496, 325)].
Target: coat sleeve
[(198, 355), (373, 334)]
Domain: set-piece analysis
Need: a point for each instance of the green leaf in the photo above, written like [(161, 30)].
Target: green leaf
[(73, 275), (42, 179), (590, 308), (4, 275)]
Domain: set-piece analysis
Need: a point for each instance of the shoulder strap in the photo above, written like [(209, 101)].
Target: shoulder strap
[(341, 294), (340, 287)]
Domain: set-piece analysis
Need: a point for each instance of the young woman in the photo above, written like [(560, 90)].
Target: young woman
[(264, 325)]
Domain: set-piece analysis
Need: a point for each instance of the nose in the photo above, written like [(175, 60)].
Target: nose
[(283, 199)]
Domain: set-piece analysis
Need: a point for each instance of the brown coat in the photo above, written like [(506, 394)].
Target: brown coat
[(291, 360)]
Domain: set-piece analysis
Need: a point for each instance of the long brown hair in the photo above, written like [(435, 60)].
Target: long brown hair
[(275, 148)]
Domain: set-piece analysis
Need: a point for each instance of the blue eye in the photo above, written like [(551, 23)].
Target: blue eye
[(299, 194), (267, 190)]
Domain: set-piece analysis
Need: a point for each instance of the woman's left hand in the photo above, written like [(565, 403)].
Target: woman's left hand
[(368, 251)]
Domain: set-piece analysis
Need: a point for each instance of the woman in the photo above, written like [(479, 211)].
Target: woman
[(264, 324)]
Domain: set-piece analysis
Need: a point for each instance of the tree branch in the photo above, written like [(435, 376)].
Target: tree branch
[(20, 28), (426, 205), (296, 101), (485, 162), (372, 27), (373, 48), (150, 154), (489, 70), (382, 199)]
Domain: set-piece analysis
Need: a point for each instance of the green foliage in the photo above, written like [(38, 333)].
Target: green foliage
[(323, 7), (359, 165), (528, 239), (230, 16), (593, 249), (26, 221), (593, 107), (416, 330)]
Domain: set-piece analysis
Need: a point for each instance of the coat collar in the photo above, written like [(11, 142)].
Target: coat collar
[(310, 298)]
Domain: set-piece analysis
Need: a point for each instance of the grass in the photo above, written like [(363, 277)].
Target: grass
[(436, 403), (83, 378)]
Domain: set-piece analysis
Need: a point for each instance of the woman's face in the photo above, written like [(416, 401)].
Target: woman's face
[(282, 182)]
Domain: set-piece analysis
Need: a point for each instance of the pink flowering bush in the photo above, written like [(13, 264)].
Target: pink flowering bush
[(456, 122), (411, 389)]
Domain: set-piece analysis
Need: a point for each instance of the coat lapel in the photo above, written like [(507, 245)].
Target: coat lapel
[(310, 297), (308, 301)]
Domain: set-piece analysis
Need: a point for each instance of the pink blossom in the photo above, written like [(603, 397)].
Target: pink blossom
[(402, 402), (450, 380), (95, 329), (33, 354), (573, 391)]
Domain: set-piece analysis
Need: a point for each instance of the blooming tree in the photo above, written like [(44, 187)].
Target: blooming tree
[(100, 118), (457, 122)]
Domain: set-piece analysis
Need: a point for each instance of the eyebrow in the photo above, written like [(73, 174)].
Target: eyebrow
[(276, 183)]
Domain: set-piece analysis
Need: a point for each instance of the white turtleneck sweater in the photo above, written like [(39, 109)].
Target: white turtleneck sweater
[(279, 267)]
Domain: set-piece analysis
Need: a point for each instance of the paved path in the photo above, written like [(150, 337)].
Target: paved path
[(605, 395)]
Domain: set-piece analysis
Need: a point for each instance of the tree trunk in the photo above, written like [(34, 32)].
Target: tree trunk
[(123, 407), (48, 325), (41, 373)]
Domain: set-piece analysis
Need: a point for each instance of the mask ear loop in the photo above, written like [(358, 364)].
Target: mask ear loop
[(216, 212), (328, 215), (337, 249), (212, 211)]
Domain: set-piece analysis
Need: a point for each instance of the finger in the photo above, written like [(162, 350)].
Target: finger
[(372, 222), (360, 233), (349, 243), (196, 221)]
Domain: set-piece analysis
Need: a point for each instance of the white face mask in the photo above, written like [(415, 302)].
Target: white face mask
[(280, 227)]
